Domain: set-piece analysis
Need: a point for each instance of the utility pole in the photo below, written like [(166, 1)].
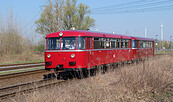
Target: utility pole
[(161, 36), (156, 43), (145, 32), (170, 44)]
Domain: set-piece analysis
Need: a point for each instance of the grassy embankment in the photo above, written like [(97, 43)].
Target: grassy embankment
[(149, 81)]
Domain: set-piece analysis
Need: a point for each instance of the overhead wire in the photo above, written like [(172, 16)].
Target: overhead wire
[(140, 10), (123, 4), (38, 13), (151, 6), (140, 5), (32, 18)]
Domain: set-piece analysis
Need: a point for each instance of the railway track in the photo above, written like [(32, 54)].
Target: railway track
[(17, 68), (20, 66), (12, 75), (12, 91)]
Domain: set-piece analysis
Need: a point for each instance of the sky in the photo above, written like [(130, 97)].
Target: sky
[(108, 14)]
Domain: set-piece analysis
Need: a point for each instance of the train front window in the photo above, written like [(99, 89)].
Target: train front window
[(53, 43), (68, 43), (81, 43)]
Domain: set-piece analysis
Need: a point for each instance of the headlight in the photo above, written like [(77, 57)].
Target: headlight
[(60, 34), (72, 55), (48, 56)]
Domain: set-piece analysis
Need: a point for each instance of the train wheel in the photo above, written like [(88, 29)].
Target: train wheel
[(105, 68), (92, 72), (85, 73), (49, 76), (79, 74), (71, 75)]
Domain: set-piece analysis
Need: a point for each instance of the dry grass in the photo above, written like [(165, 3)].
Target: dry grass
[(145, 82)]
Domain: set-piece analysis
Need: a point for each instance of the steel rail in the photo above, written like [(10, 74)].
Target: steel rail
[(18, 74), (20, 66), (11, 91)]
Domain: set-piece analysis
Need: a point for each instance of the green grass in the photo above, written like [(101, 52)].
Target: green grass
[(20, 62), (158, 52), (22, 70)]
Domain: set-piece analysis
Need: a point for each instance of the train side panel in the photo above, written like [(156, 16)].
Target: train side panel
[(64, 59), (110, 56)]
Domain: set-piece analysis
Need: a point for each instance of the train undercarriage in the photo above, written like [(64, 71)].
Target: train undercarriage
[(84, 72)]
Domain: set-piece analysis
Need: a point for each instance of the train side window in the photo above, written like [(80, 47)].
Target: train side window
[(118, 43), (127, 44), (81, 43), (107, 43), (134, 43), (113, 43), (144, 45), (110, 43), (103, 44), (96, 43), (151, 44), (147, 44), (122, 43), (141, 44)]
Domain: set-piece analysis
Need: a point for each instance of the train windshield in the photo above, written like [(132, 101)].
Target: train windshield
[(81, 43), (68, 43), (53, 43)]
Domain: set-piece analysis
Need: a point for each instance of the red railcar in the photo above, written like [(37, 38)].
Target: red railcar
[(142, 47), (69, 51)]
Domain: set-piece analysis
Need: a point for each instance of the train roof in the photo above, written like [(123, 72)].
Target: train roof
[(140, 38), (69, 33)]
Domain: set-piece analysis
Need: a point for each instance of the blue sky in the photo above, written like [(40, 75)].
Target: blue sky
[(132, 24)]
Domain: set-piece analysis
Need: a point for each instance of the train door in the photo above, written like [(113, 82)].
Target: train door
[(89, 47), (130, 49)]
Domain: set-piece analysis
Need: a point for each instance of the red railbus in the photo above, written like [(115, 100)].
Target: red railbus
[(76, 50)]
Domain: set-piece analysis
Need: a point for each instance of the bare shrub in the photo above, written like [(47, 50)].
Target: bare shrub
[(13, 45), (10, 38)]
